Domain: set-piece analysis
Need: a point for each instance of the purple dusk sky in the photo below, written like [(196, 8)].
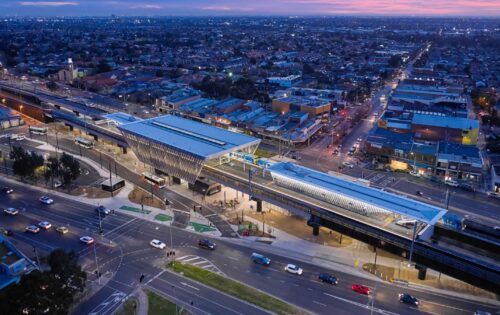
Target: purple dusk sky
[(255, 7)]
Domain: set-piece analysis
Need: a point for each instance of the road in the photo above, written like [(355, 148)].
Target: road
[(123, 254)]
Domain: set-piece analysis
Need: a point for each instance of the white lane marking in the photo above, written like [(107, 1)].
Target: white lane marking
[(455, 308), (319, 303), (232, 258), (157, 275), (181, 258), (120, 226), (200, 262), (191, 259), (190, 286), (374, 309), (109, 303)]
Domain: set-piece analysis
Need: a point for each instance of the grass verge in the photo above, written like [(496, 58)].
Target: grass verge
[(128, 307), (161, 306), (235, 289)]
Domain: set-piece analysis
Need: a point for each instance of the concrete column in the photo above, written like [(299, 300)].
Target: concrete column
[(259, 205), (316, 230), (124, 150)]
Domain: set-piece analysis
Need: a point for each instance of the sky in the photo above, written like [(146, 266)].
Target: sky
[(253, 7)]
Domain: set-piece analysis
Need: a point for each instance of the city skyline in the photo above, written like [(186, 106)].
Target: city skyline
[(259, 7)]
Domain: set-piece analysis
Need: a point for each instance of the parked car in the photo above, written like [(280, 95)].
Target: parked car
[(103, 210), (328, 278), (414, 173), (32, 229), (57, 184), (451, 183), (7, 190), (45, 225), (293, 269), (158, 244), (206, 244), (419, 193), (260, 259), (62, 230), (360, 289), (467, 187), (46, 200), (87, 240), (6, 232), (11, 211), (408, 299), (348, 164)]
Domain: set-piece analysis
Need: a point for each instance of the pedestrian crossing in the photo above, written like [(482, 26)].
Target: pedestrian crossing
[(200, 262)]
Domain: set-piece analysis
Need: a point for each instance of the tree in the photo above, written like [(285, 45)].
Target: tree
[(53, 169), (70, 169), (103, 66), (25, 163), (49, 291), (395, 61)]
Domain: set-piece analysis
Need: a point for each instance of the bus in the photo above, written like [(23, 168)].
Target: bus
[(84, 142), (153, 179), (38, 130)]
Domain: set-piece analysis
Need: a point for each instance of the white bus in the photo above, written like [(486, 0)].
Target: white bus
[(155, 180), (38, 130), (84, 142)]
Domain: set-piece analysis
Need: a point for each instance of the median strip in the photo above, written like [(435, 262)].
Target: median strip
[(163, 217), (236, 289), (133, 209)]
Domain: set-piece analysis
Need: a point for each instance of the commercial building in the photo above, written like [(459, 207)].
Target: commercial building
[(286, 82), (9, 118), (176, 99), (314, 106)]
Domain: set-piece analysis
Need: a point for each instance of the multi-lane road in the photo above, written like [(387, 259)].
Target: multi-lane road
[(123, 254)]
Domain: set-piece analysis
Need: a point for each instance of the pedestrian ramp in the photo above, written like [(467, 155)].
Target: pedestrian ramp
[(200, 262)]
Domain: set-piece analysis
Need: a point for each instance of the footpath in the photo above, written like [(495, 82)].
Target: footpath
[(330, 250)]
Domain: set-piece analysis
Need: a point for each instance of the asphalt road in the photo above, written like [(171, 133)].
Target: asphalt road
[(123, 254)]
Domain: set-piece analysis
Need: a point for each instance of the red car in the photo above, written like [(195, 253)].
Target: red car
[(361, 289)]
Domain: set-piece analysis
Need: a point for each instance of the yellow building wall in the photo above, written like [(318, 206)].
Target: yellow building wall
[(471, 137)]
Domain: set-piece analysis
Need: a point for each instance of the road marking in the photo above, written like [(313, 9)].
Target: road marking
[(190, 286), (157, 275), (232, 258), (455, 308), (181, 258), (191, 259), (108, 304), (201, 262), (374, 309), (120, 226), (319, 303)]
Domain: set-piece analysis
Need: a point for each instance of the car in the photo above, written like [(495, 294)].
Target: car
[(467, 187), (260, 259), (414, 173), (57, 184), (359, 288), (339, 147), (103, 210), (62, 229), (419, 193), (46, 200), (451, 183), (87, 240), (328, 278), (336, 152), (32, 229), (293, 269), (158, 244), (6, 232), (408, 299), (481, 313), (7, 190), (206, 244), (348, 164), (11, 211), (45, 225), (359, 139)]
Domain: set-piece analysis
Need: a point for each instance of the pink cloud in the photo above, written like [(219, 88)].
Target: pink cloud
[(48, 3)]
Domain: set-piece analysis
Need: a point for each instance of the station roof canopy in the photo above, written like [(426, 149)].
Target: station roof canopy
[(371, 197), (197, 139), (120, 118)]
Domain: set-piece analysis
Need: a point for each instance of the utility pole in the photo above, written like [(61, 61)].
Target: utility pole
[(97, 266), (110, 179), (36, 256)]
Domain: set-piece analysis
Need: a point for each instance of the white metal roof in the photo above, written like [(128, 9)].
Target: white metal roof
[(197, 139), (402, 205)]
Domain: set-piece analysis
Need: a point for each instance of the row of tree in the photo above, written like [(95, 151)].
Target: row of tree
[(31, 164)]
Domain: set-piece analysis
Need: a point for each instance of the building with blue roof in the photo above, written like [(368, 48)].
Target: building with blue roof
[(120, 118), (9, 118), (180, 147), (13, 264)]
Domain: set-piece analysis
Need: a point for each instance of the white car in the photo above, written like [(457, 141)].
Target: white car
[(294, 269), (451, 183), (87, 240), (414, 173), (348, 164), (46, 200), (32, 229), (45, 225), (157, 244), (11, 211)]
